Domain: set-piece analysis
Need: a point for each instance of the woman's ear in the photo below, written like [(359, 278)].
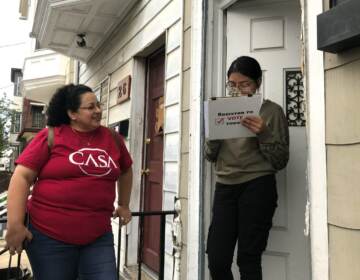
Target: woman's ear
[(72, 115), (258, 82)]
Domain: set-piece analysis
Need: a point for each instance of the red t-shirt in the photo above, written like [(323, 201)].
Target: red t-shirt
[(73, 197)]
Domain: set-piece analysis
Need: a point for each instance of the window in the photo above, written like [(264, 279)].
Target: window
[(16, 122), (37, 117), (124, 128), (17, 91), (16, 79)]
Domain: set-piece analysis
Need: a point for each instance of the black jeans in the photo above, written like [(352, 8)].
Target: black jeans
[(241, 213)]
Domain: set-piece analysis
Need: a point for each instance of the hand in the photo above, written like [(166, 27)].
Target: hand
[(15, 237), (124, 213), (254, 123)]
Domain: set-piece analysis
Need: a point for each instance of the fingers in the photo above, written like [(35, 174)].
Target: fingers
[(125, 220), (19, 249), (16, 246), (13, 250), (255, 124), (124, 214)]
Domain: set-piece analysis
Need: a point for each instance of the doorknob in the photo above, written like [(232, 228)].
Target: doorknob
[(145, 171), (147, 141)]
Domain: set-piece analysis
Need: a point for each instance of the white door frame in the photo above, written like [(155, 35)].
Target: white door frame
[(314, 79), (195, 251), (315, 102)]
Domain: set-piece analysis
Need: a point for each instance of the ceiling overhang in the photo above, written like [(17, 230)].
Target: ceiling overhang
[(42, 89), (58, 24)]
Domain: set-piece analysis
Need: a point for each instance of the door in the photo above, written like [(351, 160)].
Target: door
[(153, 169), (270, 32)]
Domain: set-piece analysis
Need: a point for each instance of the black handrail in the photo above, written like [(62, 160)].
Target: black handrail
[(141, 216)]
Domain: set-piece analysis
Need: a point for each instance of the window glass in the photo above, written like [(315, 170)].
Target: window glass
[(16, 123), (17, 84), (38, 119)]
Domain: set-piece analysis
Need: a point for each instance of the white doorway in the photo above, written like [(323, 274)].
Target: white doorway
[(270, 32)]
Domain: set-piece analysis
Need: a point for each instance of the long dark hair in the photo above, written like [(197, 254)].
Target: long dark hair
[(247, 66), (65, 98)]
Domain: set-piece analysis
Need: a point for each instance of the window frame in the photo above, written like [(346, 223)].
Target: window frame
[(17, 84), (37, 117), (16, 122)]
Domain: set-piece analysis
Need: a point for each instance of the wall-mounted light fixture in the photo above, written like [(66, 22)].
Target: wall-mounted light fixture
[(81, 40)]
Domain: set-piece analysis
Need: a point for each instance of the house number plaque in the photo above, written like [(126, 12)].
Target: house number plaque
[(124, 89)]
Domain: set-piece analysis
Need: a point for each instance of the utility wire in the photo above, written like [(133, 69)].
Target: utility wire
[(11, 45), (6, 86)]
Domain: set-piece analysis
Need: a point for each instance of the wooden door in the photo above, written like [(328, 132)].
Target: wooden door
[(153, 175), (270, 32)]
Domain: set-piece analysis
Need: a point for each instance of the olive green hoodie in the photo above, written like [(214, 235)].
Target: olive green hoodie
[(242, 159)]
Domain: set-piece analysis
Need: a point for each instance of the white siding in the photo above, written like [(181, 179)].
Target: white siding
[(172, 94), (146, 22)]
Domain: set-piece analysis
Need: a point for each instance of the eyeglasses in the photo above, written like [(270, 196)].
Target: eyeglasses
[(93, 107), (240, 88), (239, 85)]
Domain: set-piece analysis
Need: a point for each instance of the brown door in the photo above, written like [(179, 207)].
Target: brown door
[(154, 159)]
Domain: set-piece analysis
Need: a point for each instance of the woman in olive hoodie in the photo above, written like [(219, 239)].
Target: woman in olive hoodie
[(245, 193)]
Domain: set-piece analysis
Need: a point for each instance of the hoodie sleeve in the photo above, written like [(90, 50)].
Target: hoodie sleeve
[(211, 149), (274, 140)]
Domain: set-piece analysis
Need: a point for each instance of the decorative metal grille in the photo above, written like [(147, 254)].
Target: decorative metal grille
[(295, 107)]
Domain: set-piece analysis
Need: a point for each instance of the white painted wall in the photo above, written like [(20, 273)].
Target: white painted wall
[(43, 64)]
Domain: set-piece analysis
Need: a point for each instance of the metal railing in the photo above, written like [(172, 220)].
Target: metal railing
[(3, 204), (142, 216)]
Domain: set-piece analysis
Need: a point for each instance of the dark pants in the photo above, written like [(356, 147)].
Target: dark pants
[(241, 213), (55, 260)]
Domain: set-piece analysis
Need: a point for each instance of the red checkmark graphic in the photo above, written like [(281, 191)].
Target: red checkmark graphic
[(219, 121)]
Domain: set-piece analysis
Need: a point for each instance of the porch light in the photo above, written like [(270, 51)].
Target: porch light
[(81, 40)]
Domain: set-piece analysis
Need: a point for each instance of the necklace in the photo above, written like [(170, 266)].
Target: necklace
[(84, 137)]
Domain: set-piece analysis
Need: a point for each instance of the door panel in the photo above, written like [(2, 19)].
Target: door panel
[(154, 159), (270, 32)]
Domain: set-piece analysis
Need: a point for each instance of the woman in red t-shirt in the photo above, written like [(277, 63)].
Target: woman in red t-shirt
[(69, 234)]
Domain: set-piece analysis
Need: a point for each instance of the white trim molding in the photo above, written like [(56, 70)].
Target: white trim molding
[(194, 247), (315, 95)]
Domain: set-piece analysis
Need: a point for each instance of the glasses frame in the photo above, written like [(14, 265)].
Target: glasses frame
[(239, 85), (93, 107)]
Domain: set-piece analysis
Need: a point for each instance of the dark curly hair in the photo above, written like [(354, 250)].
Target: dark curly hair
[(65, 98), (247, 66)]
